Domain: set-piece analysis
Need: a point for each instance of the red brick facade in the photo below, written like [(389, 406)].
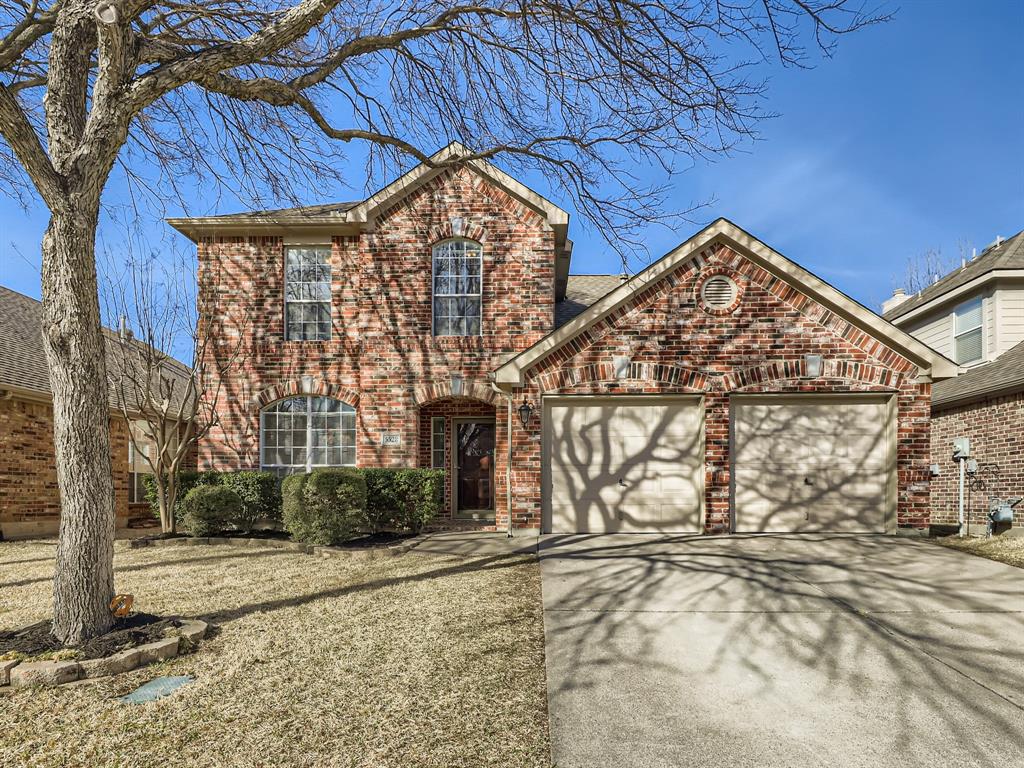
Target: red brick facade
[(29, 498), (996, 430), (384, 361), (382, 357), (676, 347)]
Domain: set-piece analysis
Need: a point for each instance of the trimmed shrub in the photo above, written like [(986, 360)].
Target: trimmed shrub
[(260, 493), (402, 498), (209, 509), (382, 500), (328, 508), (419, 492), (187, 480)]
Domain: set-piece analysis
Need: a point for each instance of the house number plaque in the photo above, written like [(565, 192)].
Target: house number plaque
[(390, 438)]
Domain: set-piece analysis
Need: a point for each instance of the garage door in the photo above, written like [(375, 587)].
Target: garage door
[(813, 464), (624, 464)]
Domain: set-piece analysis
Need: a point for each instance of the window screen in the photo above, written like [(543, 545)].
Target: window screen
[(967, 332)]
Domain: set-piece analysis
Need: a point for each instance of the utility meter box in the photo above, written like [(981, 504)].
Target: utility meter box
[(961, 448)]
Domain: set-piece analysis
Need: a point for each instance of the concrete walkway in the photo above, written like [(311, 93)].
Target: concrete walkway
[(781, 651), (474, 543)]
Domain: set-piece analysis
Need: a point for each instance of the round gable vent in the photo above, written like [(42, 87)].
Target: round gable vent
[(718, 292)]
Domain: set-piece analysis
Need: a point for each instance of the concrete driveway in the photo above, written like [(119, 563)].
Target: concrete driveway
[(781, 651)]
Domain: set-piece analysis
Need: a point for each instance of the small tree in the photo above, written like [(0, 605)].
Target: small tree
[(173, 402)]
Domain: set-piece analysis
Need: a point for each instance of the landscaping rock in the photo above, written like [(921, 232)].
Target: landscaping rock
[(158, 651), (123, 661), (30, 673), (193, 630), (5, 670)]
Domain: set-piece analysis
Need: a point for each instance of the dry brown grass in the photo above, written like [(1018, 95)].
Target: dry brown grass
[(1005, 549), (416, 660)]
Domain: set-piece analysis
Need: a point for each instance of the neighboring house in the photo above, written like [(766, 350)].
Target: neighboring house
[(29, 498), (435, 323), (975, 315)]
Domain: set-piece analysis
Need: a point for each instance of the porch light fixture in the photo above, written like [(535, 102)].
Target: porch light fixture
[(525, 412), (457, 384), (812, 366)]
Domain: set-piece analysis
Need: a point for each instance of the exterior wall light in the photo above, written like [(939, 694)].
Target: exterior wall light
[(812, 366), (457, 384), (525, 412)]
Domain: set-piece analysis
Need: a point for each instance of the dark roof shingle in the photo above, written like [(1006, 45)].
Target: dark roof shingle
[(1004, 375), (22, 359), (1009, 254), (582, 291)]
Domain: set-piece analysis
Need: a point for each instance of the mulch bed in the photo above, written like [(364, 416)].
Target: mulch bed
[(370, 541), (128, 632)]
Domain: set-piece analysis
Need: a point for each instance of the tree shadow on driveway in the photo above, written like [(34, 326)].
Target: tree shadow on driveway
[(815, 650)]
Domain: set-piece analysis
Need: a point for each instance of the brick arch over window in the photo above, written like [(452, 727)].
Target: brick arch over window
[(306, 385), (676, 376), (440, 390), (782, 370), (445, 231)]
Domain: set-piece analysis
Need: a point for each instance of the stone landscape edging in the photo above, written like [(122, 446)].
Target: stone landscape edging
[(293, 546), (19, 673)]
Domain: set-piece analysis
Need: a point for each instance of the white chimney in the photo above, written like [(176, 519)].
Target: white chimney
[(897, 298)]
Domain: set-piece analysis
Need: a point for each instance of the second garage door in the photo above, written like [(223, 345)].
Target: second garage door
[(629, 464), (813, 463)]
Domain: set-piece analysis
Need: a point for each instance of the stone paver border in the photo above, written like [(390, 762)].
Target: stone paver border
[(308, 549), (24, 674)]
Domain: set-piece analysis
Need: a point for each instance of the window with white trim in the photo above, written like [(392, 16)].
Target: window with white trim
[(300, 433), (968, 340), (458, 288), (437, 442), (137, 474), (307, 293)]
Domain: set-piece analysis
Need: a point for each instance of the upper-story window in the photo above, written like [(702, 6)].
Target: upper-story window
[(968, 344), (307, 294), (458, 284)]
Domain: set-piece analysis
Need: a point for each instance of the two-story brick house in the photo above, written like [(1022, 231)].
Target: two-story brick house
[(975, 315), (435, 323)]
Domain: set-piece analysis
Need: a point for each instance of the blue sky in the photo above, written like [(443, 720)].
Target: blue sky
[(911, 137)]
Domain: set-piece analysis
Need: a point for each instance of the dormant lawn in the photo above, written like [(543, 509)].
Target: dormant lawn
[(417, 660)]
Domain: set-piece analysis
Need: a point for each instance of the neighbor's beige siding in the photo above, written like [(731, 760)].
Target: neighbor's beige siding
[(936, 330), (1009, 318)]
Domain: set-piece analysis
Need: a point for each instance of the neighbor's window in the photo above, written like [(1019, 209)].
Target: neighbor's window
[(458, 265), (137, 487), (300, 433), (136, 482), (967, 334), (307, 294), (437, 442)]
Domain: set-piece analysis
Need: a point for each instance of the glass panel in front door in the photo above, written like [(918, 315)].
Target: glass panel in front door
[(474, 463)]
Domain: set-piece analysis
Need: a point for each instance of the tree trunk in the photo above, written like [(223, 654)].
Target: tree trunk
[(84, 581)]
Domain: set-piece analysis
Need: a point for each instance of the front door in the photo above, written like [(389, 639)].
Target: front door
[(474, 468)]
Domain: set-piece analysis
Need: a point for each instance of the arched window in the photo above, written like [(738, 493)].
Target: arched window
[(300, 433), (458, 288)]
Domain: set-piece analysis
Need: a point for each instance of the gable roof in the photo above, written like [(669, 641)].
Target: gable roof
[(1009, 254), (1003, 376), (22, 359), (351, 217), (582, 291), (513, 372)]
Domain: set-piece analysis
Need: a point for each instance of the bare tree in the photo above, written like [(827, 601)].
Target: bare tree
[(169, 406), (259, 97), (930, 265)]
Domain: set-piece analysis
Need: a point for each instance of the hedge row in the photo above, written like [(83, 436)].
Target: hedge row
[(326, 506), (259, 496)]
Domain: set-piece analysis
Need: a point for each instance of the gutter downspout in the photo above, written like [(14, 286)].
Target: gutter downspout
[(508, 458)]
